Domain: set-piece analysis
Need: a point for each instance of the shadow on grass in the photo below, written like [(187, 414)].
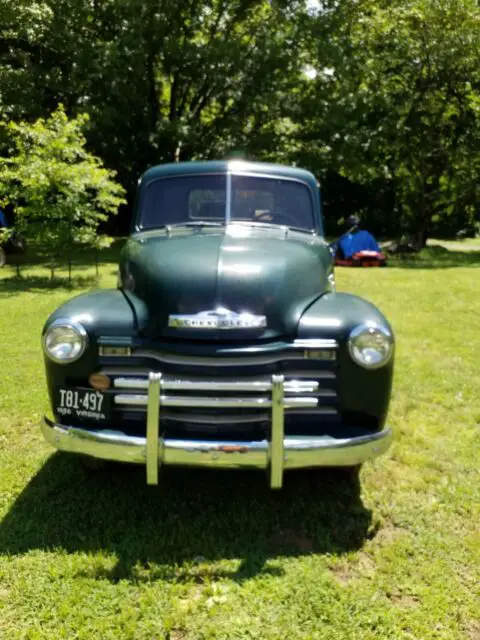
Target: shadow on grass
[(436, 257), (80, 258), (192, 517), (16, 285)]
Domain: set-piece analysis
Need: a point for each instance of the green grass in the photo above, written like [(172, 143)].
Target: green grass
[(216, 554), (466, 244)]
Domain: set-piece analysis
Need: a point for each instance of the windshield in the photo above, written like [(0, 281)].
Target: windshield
[(203, 198)]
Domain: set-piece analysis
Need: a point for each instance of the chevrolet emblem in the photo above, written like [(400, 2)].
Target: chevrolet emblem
[(217, 319)]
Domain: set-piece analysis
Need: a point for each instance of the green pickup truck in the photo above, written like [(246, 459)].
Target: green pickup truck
[(225, 343)]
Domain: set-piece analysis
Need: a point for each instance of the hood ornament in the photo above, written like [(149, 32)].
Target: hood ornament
[(219, 318)]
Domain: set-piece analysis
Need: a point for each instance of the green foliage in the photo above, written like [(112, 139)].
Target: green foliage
[(60, 191), (402, 107), (390, 122), (161, 80)]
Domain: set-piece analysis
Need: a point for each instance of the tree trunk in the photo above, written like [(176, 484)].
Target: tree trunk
[(420, 239), (421, 235)]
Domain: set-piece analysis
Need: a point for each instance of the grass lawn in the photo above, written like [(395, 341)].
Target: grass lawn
[(210, 555)]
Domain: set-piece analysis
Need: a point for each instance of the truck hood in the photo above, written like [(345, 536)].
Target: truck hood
[(259, 271)]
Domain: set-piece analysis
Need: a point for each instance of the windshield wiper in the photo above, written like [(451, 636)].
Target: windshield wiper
[(195, 223)]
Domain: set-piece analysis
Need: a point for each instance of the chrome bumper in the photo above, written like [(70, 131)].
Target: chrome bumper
[(296, 452), (275, 455)]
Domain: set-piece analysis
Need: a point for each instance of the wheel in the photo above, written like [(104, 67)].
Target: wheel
[(3, 257)]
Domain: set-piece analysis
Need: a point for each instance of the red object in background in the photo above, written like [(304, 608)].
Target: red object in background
[(363, 259)]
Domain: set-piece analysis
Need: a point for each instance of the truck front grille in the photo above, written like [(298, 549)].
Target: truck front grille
[(208, 394)]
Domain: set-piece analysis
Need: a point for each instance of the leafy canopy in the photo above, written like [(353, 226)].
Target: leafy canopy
[(380, 98), (60, 191)]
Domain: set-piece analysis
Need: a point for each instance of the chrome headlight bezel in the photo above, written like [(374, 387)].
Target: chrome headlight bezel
[(371, 329), (69, 325)]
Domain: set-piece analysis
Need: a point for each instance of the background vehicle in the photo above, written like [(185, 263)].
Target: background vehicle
[(14, 244), (357, 247), (11, 242)]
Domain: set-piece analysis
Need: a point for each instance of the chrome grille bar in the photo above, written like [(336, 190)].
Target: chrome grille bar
[(273, 398), (130, 373), (290, 386), (278, 432), (153, 427), (219, 403)]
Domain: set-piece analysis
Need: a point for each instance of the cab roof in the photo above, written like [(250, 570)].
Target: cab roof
[(235, 166)]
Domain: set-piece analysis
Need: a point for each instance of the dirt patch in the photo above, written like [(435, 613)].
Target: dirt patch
[(473, 630), (404, 601), (341, 574), (385, 532), (344, 573)]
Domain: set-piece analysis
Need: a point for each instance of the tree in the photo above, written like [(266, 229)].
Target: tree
[(401, 107), (161, 80), (390, 121), (61, 192)]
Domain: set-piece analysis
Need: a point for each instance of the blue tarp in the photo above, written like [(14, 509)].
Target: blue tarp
[(3, 220), (352, 243)]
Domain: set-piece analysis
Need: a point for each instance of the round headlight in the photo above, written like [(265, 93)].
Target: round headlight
[(65, 341), (370, 345)]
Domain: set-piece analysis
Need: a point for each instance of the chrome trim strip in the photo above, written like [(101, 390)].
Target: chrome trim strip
[(219, 361), (143, 372), (315, 343), (153, 427), (299, 343), (276, 454), (115, 341), (102, 351), (290, 386), (320, 451), (219, 403)]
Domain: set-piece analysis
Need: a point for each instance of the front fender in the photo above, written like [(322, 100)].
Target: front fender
[(102, 313), (364, 395)]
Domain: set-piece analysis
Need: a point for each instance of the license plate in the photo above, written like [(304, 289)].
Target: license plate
[(86, 404)]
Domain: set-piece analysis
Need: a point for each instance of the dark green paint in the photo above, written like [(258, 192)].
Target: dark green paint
[(334, 315), (262, 270), (103, 312)]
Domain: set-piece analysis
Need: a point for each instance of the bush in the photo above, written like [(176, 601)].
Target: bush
[(61, 192)]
